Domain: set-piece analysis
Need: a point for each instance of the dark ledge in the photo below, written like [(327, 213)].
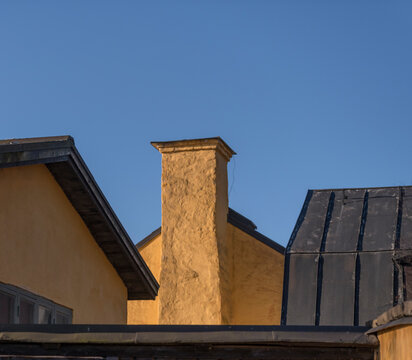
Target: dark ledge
[(169, 334), (400, 314)]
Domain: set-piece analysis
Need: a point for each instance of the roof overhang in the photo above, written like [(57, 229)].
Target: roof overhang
[(189, 341), (63, 160)]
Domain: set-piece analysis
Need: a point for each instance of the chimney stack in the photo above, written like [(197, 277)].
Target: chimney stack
[(194, 219)]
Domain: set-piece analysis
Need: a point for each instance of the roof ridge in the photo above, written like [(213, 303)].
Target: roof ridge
[(365, 188), (32, 140)]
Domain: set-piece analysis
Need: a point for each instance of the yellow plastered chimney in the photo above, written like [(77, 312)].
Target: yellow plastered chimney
[(194, 220)]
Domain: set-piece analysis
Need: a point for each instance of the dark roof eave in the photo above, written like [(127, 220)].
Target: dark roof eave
[(149, 238), (344, 336), (65, 163), (247, 226)]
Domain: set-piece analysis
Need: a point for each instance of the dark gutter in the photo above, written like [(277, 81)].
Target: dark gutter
[(190, 334)]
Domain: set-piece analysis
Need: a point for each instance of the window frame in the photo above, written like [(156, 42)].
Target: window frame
[(18, 294)]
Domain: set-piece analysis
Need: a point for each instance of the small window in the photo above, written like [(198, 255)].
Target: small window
[(62, 318), (26, 312), (6, 308), (19, 306), (44, 315)]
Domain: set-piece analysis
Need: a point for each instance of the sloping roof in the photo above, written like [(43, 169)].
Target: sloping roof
[(339, 267), (247, 226), (237, 220), (61, 157)]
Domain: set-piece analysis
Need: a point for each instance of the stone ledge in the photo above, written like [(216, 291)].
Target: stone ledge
[(215, 143), (400, 314)]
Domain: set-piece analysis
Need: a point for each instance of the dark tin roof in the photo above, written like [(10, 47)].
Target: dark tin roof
[(236, 220), (61, 157), (339, 267), (189, 341)]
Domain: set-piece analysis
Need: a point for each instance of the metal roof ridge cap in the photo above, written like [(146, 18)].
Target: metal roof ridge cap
[(365, 188), (36, 140), (19, 145)]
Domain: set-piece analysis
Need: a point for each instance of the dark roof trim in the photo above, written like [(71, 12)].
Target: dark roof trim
[(190, 334), (247, 226), (65, 163), (240, 221), (149, 237), (237, 220), (300, 219), (365, 188)]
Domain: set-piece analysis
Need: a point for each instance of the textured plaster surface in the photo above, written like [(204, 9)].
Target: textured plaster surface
[(190, 288), (257, 280), (253, 291), (210, 272), (146, 312), (396, 343), (46, 248)]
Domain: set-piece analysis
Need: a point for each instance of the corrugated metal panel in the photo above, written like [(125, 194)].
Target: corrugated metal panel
[(303, 270), (381, 219), (376, 285), (309, 236), (345, 222), (406, 225), (338, 289)]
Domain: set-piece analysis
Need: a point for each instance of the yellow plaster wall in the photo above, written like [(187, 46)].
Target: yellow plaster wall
[(146, 312), (223, 246), (46, 248), (253, 292), (396, 343), (257, 280)]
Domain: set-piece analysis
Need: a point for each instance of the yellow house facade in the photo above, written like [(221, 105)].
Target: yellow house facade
[(64, 257), (212, 264)]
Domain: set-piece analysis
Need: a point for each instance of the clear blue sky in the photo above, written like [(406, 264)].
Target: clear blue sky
[(310, 94)]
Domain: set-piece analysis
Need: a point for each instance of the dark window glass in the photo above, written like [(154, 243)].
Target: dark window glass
[(6, 308), (62, 318), (26, 315), (23, 307), (45, 315)]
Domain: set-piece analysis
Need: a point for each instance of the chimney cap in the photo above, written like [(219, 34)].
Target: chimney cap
[(213, 143)]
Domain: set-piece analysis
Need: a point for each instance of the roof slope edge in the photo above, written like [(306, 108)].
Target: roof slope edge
[(63, 160), (234, 218)]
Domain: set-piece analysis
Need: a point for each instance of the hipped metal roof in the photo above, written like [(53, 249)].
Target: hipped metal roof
[(63, 160), (339, 267)]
